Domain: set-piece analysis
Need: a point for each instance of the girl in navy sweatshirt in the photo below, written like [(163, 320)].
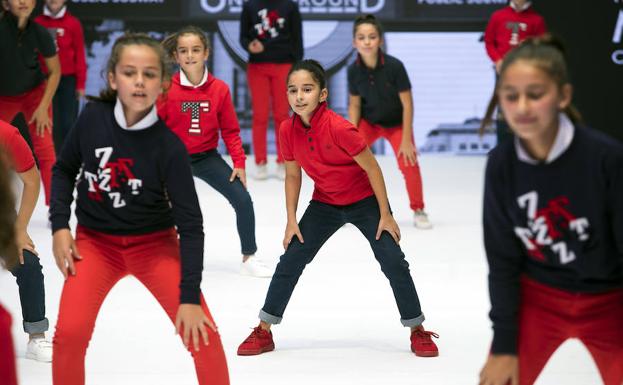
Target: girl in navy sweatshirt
[(135, 189), (198, 108), (553, 226)]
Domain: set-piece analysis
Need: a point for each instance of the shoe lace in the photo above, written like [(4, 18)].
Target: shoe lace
[(255, 335), (426, 335)]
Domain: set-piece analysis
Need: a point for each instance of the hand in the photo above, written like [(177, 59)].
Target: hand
[(191, 321), (65, 251), (42, 119), (498, 65), (23, 241), (241, 174), (80, 94), (292, 229), (256, 46), (387, 223), (500, 369), (407, 150)]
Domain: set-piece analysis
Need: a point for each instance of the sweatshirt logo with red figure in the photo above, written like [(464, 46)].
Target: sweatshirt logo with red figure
[(195, 108), (112, 178), (270, 22), (547, 227)]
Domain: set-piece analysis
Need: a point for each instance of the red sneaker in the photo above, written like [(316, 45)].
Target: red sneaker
[(422, 344), (258, 342)]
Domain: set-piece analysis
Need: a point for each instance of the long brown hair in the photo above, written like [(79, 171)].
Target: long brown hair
[(8, 249), (546, 53), (110, 95)]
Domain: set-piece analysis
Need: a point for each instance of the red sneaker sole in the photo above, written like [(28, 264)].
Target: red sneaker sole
[(265, 349), (425, 353)]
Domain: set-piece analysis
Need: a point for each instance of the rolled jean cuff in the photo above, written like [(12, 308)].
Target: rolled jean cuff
[(413, 322), (269, 318), (249, 251), (36, 327)]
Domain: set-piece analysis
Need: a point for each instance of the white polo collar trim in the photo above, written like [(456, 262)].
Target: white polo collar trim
[(563, 140), (49, 13), (186, 83), (149, 120)]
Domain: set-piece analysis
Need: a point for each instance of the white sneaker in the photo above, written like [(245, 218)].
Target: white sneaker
[(281, 171), (261, 172), (39, 349), (420, 220), (255, 267)]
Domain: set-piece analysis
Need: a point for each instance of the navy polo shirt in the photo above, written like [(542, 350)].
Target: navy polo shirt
[(379, 88), (19, 49)]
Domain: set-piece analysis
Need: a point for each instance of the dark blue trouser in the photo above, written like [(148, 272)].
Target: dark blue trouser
[(212, 169), (64, 110), (31, 293), (319, 222)]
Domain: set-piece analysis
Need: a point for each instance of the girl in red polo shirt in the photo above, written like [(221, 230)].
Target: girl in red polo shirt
[(380, 105), (348, 188), (23, 87), (197, 108)]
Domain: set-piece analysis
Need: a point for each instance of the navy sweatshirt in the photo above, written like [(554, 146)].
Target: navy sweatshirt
[(277, 25), (131, 182), (558, 223)]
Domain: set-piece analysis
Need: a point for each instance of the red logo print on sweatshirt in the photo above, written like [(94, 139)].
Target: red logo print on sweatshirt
[(547, 227), (269, 24), (195, 108), (112, 178)]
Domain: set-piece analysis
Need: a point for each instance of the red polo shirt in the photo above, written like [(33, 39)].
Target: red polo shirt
[(325, 150), (14, 149)]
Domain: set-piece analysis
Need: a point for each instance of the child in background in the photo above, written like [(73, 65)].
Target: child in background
[(348, 188), (23, 86), (197, 107), (271, 31), (134, 190), (15, 153), (553, 226), (67, 31), (380, 105)]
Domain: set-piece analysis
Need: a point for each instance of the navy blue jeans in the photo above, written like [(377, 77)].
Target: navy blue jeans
[(31, 293), (212, 169), (319, 222), (64, 110)]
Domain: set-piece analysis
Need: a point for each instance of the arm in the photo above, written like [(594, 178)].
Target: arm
[(80, 65), (490, 46), (366, 160), (245, 27), (30, 194), (40, 116), (407, 146), (354, 109), (230, 130), (293, 189), (297, 33)]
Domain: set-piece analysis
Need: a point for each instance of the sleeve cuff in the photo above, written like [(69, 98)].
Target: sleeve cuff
[(59, 224), (504, 342), (190, 295)]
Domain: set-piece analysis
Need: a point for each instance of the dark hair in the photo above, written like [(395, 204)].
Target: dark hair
[(110, 95), (8, 249), (546, 53), (170, 42), (368, 19), (313, 67)]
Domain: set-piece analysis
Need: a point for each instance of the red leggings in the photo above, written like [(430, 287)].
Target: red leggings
[(550, 316), (413, 178), (154, 260), (43, 147), (267, 82)]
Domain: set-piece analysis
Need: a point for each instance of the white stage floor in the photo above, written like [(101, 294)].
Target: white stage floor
[(342, 325)]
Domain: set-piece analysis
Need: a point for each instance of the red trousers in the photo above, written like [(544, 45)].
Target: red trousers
[(154, 260), (8, 373), (413, 178), (43, 147), (549, 316), (267, 83)]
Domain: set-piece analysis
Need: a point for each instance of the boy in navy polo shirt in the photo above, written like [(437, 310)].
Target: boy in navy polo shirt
[(23, 86), (380, 105)]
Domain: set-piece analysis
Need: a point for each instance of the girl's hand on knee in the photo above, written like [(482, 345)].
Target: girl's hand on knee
[(500, 369), (292, 229), (42, 119), (388, 223), (408, 152), (241, 174), (65, 251), (23, 242), (191, 322)]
